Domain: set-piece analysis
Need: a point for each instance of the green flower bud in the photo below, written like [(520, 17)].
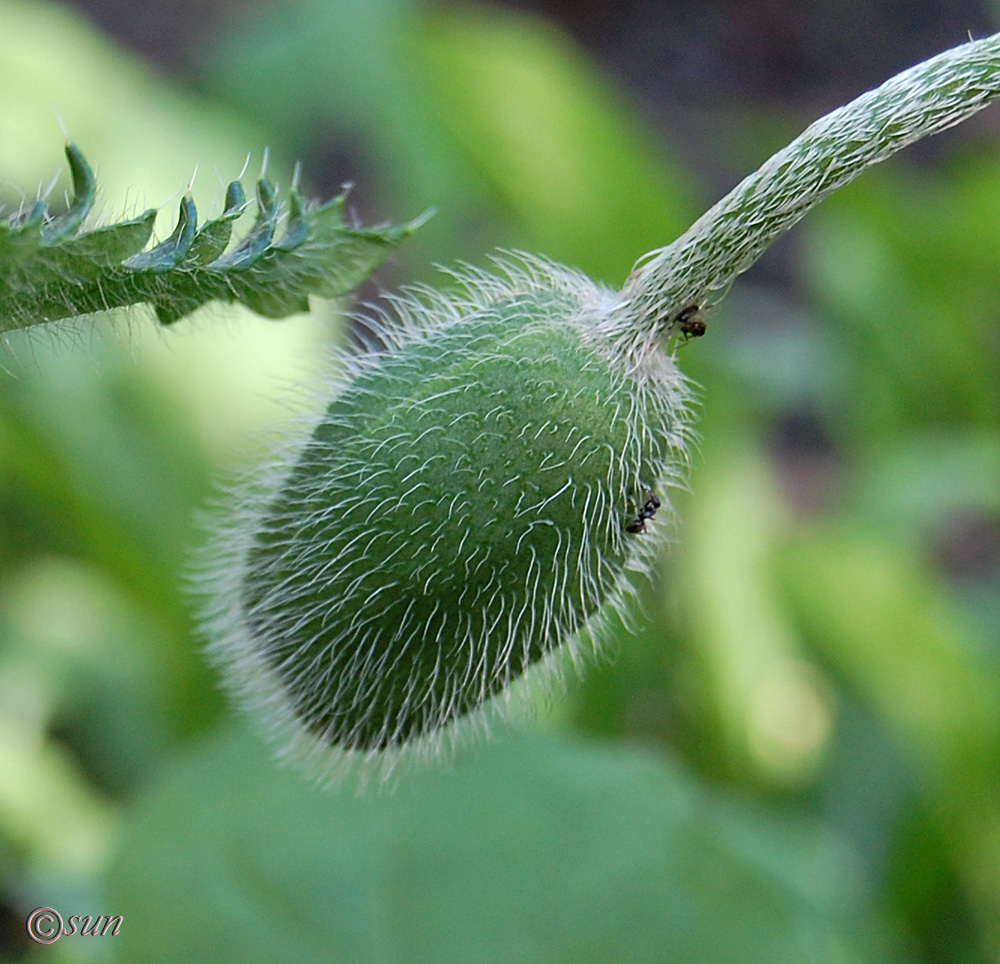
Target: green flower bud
[(467, 501), (475, 496)]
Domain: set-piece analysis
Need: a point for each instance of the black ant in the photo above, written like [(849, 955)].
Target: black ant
[(638, 524), (690, 324)]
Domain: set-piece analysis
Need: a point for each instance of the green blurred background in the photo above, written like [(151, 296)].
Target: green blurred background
[(792, 754)]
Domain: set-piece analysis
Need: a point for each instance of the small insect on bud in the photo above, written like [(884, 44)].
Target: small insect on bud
[(455, 516), (690, 323), (652, 503)]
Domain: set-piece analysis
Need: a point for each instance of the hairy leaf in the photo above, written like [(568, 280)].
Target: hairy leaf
[(51, 269)]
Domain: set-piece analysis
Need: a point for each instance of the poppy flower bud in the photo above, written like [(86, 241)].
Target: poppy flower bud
[(475, 496), (467, 501)]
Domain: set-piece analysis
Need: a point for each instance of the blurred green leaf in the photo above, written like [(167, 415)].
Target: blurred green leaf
[(886, 624), (107, 474), (920, 477), (882, 621), (148, 134), (773, 720), (551, 137), (893, 260), (528, 850)]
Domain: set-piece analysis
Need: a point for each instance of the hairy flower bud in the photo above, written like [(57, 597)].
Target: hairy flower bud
[(465, 503), (476, 495)]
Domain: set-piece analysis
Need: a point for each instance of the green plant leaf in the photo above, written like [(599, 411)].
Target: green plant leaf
[(898, 637), (530, 850), (50, 270)]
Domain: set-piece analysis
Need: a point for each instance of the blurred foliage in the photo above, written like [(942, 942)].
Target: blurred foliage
[(537, 850), (813, 678), (498, 121)]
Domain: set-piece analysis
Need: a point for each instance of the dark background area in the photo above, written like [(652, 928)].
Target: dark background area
[(682, 59), (674, 54)]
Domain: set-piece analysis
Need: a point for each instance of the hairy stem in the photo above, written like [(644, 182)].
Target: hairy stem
[(696, 270)]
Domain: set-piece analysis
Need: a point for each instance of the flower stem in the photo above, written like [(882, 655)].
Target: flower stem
[(696, 270)]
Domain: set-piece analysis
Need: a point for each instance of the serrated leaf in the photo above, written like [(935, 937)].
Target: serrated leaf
[(170, 253), (50, 269), (213, 236), (107, 246)]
